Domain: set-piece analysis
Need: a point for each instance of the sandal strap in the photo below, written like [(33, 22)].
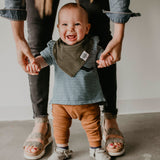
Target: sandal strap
[(34, 144), (36, 136), (114, 132)]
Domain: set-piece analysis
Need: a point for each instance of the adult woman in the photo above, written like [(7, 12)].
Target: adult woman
[(40, 22)]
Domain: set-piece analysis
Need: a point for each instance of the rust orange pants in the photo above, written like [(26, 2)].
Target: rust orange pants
[(89, 115)]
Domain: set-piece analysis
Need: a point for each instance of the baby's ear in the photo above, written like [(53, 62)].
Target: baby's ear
[(88, 28)]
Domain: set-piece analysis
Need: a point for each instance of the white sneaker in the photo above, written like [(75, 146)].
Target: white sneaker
[(99, 154), (61, 154)]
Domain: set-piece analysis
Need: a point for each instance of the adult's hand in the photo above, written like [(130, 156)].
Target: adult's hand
[(23, 51), (112, 53)]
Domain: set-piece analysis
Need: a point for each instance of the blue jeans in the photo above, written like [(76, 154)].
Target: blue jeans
[(40, 32)]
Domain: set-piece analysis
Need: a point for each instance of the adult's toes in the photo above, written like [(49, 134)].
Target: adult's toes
[(34, 149), (110, 146)]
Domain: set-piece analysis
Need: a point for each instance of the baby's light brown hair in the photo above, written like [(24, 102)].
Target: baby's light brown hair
[(74, 5)]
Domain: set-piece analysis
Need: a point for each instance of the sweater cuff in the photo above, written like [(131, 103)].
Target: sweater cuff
[(120, 17), (14, 14)]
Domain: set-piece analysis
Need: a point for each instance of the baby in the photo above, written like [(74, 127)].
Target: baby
[(77, 92)]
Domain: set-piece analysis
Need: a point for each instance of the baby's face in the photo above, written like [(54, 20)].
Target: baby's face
[(73, 26)]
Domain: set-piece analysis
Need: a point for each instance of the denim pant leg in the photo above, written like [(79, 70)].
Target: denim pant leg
[(100, 25), (39, 33)]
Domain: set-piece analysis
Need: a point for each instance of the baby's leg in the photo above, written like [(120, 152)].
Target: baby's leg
[(61, 124), (91, 123)]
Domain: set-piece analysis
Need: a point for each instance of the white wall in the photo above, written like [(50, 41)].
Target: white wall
[(138, 71)]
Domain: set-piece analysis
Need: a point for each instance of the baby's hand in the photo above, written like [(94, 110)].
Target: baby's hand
[(33, 68), (105, 63)]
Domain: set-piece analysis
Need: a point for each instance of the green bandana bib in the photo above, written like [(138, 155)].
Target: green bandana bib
[(70, 58)]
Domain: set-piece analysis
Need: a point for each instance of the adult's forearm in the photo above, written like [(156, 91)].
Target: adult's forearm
[(118, 31), (18, 30), (112, 53), (23, 50)]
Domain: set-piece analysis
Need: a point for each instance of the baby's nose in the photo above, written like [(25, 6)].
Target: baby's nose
[(71, 28)]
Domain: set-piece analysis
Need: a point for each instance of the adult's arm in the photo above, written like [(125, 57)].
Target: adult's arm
[(112, 53), (119, 14), (23, 50), (15, 10)]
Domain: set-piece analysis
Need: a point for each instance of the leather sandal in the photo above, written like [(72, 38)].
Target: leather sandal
[(114, 139), (114, 142), (46, 139)]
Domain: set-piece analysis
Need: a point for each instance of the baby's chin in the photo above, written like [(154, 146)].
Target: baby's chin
[(71, 42)]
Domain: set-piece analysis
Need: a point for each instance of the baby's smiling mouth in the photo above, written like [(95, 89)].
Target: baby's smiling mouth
[(71, 37)]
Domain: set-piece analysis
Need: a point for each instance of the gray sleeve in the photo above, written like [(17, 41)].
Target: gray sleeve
[(119, 11), (14, 10), (47, 53)]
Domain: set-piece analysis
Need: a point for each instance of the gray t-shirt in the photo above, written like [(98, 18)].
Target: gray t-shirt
[(84, 87)]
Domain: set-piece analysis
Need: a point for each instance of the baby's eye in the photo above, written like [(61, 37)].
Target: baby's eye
[(77, 24), (64, 24)]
